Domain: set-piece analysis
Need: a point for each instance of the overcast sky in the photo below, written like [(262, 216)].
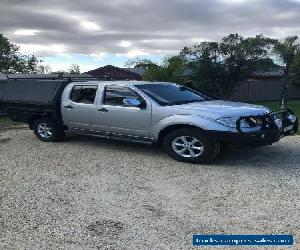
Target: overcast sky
[(93, 33)]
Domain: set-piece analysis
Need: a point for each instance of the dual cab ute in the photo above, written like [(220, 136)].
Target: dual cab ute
[(191, 126)]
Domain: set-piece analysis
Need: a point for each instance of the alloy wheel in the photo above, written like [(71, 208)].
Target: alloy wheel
[(44, 130), (187, 146)]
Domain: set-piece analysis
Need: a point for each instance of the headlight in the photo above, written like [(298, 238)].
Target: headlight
[(231, 122)]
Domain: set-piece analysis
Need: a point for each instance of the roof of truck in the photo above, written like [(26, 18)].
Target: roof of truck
[(125, 83), (54, 76)]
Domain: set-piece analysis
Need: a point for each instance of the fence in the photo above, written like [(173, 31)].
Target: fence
[(263, 90)]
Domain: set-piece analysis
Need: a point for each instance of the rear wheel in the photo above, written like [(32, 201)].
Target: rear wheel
[(190, 145), (48, 130)]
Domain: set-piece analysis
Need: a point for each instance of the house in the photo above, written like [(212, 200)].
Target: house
[(110, 72)]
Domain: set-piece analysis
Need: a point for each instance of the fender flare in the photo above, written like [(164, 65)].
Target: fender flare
[(179, 121)]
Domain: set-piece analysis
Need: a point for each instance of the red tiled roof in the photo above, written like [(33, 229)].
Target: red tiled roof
[(115, 73)]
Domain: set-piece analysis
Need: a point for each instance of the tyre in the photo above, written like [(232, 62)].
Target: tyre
[(190, 145), (48, 130)]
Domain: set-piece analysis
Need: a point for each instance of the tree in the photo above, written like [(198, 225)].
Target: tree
[(74, 69), (219, 66), (243, 56), (287, 51), (43, 69), (204, 61), (140, 62), (12, 61), (168, 70)]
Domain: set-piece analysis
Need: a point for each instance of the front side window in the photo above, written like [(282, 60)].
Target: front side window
[(114, 95), (83, 94), (171, 94)]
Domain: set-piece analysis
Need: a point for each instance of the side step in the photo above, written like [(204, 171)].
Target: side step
[(114, 136)]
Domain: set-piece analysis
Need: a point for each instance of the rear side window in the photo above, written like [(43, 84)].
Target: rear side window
[(114, 95), (83, 94)]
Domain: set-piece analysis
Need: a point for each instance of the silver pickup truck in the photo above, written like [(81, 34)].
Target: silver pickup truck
[(190, 126)]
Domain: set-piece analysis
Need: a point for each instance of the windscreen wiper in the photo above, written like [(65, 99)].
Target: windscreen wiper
[(185, 102)]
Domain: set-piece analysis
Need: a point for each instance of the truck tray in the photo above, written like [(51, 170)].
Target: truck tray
[(19, 98)]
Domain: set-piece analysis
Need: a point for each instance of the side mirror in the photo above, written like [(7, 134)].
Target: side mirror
[(132, 103)]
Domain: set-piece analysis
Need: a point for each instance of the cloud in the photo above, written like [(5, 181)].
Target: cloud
[(44, 50), (136, 52), (139, 27), (125, 44), (89, 26), (25, 32), (99, 56)]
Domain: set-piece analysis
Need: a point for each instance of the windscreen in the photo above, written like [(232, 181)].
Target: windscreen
[(171, 94)]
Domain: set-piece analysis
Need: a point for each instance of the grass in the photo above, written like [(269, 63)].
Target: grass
[(275, 106), (6, 122)]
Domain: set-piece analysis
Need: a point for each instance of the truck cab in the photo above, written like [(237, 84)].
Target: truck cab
[(101, 108)]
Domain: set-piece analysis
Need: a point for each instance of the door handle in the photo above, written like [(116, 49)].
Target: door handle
[(103, 110), (68, 107)]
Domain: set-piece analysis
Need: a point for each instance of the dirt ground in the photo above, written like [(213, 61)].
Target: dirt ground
[(90, 193)]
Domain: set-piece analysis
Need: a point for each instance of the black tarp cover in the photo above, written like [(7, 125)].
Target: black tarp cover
[(41, 92), (2, 86)]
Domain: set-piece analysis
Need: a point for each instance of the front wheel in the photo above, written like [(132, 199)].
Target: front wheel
[(48, 130), (190, 145)]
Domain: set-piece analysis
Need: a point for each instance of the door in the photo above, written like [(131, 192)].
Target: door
[(116, 117), (79, 108)]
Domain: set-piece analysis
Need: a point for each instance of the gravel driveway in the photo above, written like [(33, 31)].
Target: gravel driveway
[(90, 193)]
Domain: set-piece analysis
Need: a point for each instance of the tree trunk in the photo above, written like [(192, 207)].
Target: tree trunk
[(285, 89)]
